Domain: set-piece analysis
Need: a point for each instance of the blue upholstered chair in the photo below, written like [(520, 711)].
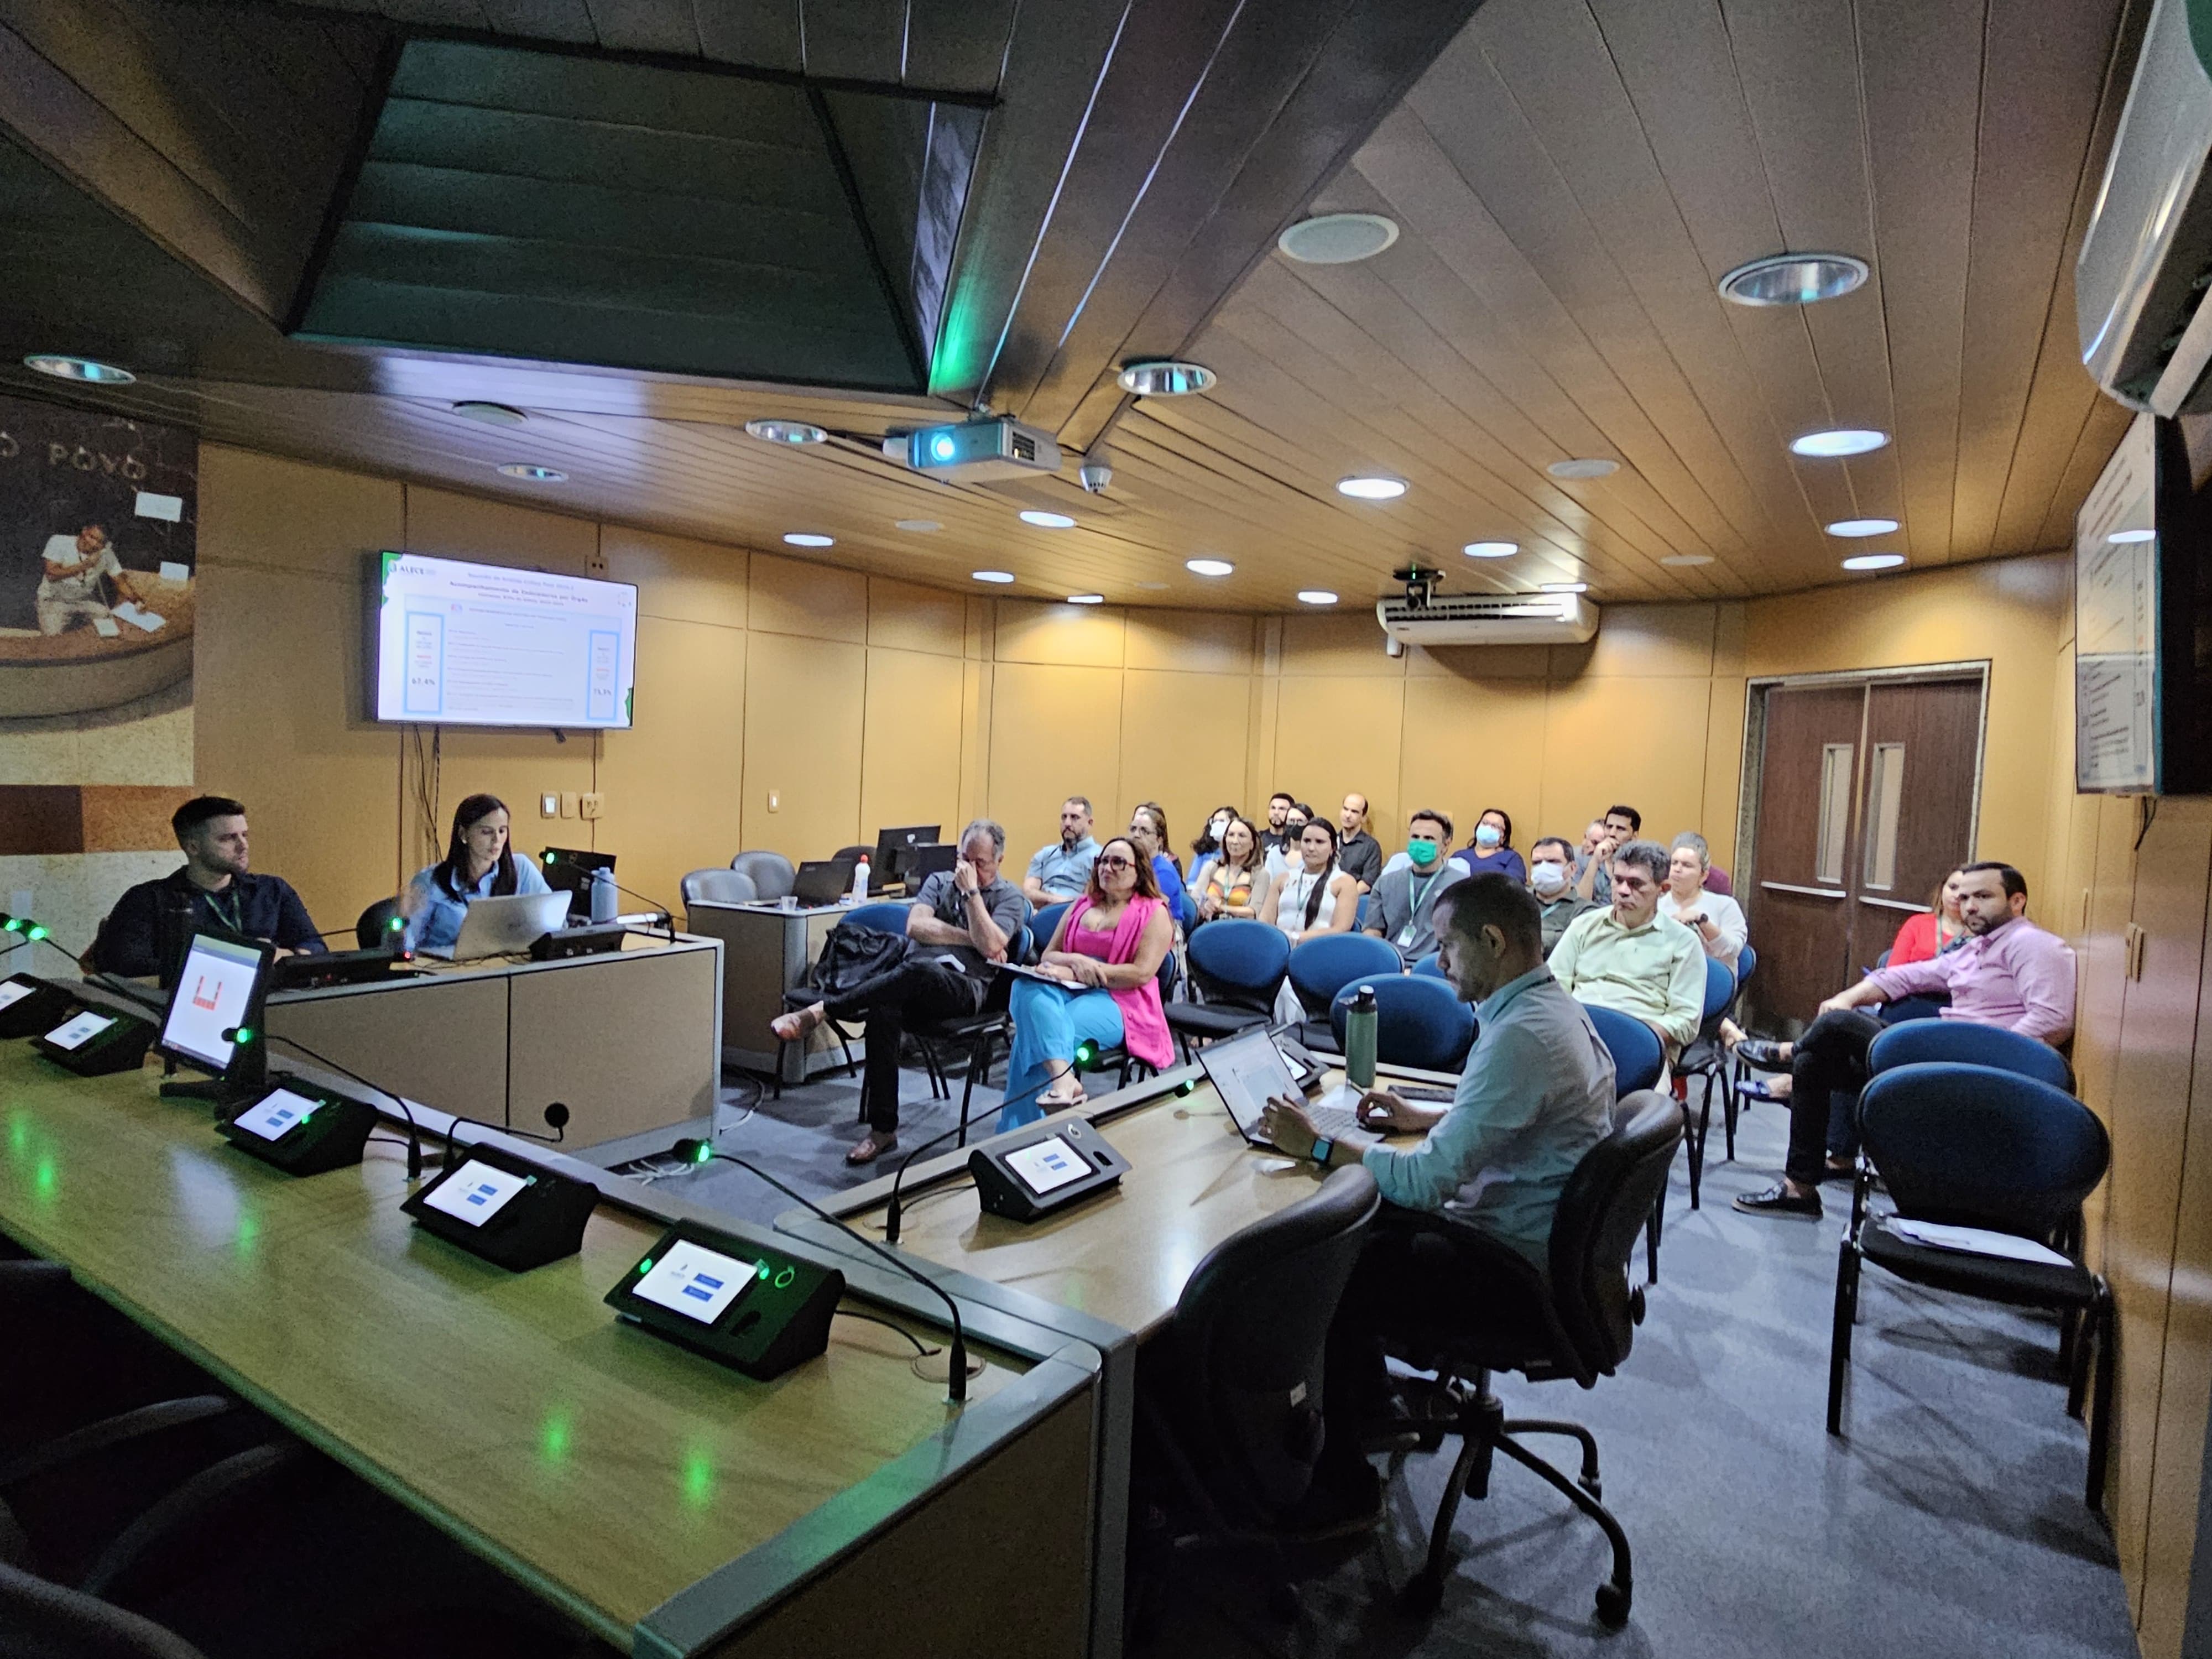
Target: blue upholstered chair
[(1637, 1057), (1957, 1040), (883, 917), (1043, 925), (1428, 967), (1707, 1061), (1976, 1146), (1420, 1021), (1320, 968), (1237, 966)]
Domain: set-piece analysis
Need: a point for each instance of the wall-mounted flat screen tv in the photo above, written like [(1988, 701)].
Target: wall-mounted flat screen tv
[(460, 644)]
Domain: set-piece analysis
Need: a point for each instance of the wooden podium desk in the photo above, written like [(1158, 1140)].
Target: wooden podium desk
[(766, 950), (670, 1506), (629, 1041)]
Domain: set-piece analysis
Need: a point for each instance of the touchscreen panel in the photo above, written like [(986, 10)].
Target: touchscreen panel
[(13, 992), (1049, 1163), (80, 1030), (476, 1192), (276, 1115), (696, 1282)]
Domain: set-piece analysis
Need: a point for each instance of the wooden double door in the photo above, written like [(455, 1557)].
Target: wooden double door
[(1865, 793)]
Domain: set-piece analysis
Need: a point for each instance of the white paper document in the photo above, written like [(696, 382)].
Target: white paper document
[(1976, 1241), (129, 612)]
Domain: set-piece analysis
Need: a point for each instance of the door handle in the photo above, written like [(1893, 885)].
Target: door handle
[(1809, 892)]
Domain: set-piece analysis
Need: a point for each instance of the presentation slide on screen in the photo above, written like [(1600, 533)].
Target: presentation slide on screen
[(482, 644)]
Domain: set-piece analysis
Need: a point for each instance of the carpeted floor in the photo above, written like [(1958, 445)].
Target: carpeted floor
[(1950, 1523)]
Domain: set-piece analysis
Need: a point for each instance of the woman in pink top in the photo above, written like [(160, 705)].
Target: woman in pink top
[(1107, 949)]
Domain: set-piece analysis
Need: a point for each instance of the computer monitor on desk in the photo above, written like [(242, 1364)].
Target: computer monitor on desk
[(894, 858), (568, 870), (213, 1022)]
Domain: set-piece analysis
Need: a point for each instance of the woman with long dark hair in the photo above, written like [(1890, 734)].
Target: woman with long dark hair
[(479, 864), (1490, 850), (1106, 952)]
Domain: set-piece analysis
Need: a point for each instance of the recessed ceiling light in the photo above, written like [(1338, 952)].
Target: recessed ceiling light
[(1586, 466), (1154, 587), (1086, 598), (1684, 561), (920, 526), (1047, 520), (1372, 486), (534, 472), (78, 368), (1491, 549), (1564, 587), (993, 575), (1165, 379), (1337, 238), (2123, 537), (1315, 596), (1843, 440), (1793, 279), (1873, 562), (1208, 567), (1862, 526), (785, 432), (808, 538), (489, 414)]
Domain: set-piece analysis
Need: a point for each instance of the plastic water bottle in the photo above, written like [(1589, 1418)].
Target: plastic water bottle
[(605, 904), (1359, 1022), (860, 882)]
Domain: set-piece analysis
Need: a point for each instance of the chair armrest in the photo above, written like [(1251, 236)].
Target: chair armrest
[(112, 1431), (186, 1509), (32, 1284)]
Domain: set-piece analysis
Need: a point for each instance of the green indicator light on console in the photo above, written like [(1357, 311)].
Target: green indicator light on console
[(645, 1266), (763, 1270), (37, 930)]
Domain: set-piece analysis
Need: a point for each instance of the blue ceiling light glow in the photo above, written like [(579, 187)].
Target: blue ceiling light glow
[(942, 448)]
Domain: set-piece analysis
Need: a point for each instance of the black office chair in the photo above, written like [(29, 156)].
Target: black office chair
[(1237, 966), (375, 928), (982, 1032), (1577, 1321), (1229, 1395), (43, 1620)]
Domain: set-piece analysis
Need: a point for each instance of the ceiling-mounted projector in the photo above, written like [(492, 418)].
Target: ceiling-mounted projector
[(1002, 449)]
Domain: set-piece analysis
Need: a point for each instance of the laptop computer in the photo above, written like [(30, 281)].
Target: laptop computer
[(508, 925), (822, 881), (1247, 1071)]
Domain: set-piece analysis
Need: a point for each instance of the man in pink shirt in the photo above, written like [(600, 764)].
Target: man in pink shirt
[(2010, 973)]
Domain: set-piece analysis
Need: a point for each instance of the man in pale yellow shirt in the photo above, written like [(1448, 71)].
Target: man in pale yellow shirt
[(1630, 958)]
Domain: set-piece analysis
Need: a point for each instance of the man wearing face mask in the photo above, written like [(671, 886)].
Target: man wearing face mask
[(1551, 877), (1406, 894), (1535, 1095)]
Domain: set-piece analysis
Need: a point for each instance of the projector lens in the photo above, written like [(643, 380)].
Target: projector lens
[(942, 447)]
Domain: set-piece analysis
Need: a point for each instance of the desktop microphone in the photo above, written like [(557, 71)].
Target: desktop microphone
[(16, 932), (557, 1119), (891, 1212), (414, 1129), (661, 911), (693, 1151)]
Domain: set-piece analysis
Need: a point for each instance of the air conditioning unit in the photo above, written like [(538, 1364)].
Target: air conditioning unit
[(2147, 257), (1525, 619)]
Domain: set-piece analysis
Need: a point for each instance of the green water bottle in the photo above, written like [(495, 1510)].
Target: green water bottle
[(1359, 1024)]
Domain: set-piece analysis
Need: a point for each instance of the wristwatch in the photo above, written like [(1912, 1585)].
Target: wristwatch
[(1322, 1147)]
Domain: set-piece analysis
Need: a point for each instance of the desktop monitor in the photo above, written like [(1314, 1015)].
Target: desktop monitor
[(568, 870), (221, 984), (893, 860)]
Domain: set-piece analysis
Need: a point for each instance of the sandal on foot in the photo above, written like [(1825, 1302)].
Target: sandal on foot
[(870, 1147)]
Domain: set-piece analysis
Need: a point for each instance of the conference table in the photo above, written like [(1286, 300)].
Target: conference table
[(667, 1504)]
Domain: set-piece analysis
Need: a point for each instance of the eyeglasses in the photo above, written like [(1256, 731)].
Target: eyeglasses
[(1117, 862)]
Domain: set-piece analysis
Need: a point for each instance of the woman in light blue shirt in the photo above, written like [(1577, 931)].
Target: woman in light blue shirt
[(479, 864)]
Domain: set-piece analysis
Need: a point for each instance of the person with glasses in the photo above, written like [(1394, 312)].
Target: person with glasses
[(1105, 953), (1148, 830)]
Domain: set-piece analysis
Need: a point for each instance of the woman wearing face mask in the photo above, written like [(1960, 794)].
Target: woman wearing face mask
[(1551, 877), (1237, 882), (1148, 830), (1207, 847), (1714, 918), (1107, 952), (1490, 852)]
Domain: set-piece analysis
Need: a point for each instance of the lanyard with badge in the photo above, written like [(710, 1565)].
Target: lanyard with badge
[(1415, 901), (235, 919)]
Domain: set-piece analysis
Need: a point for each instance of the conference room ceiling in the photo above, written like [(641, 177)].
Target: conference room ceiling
[(1571, 177)]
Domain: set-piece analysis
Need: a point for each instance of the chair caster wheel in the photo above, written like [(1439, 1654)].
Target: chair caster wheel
[(1421, 1598), (1283, 1603), (1612, 1605)]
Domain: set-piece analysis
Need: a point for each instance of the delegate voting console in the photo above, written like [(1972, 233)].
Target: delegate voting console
[(609, 1458)]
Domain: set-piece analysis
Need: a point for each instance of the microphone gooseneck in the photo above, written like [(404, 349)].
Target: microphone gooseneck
[(557, 1119), (414, 1129), (692, 1150), (893, 1212)]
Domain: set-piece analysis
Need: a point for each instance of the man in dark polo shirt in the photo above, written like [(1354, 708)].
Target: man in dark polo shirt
[(963, 923), (215, 889)]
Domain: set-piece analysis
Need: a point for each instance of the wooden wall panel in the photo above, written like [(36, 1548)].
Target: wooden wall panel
[(1054, 733), (1471, 744), (910, 743), (804, 707), (1335, 734), (1183, 738), (674, 783), (1641, 743), (916, 618), (681, 580), (816, 601), (1078, 636)]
